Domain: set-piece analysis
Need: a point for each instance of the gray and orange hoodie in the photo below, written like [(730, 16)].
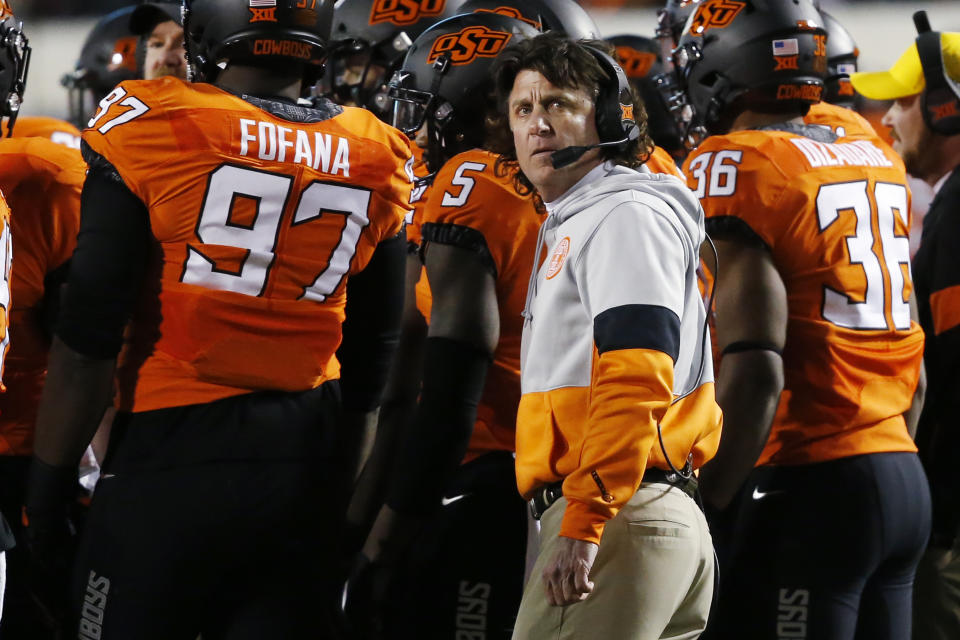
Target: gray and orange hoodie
[(614, 343)]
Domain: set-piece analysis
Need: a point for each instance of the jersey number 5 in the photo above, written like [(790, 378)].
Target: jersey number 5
[(884, 203), (270, 192)]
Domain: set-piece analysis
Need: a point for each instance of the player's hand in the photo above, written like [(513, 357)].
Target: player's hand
[(364, 597), (566, 578), (372, 576), (49, 534)]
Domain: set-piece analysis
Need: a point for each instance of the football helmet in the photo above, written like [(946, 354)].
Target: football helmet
[(108, 57), (371, 37), (670, 21), (543, 15), (641, 61), (745, 54), (14, 63), (842, 54), (274, 33), (444, 83)]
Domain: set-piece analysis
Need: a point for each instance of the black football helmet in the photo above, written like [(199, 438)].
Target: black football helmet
[(641, 61), (544, 15), (670, 21), (108, 57), (275, 33), (148, 15), (445, 81), (745, 54), (842, 54), (14, 63), (371, 38)]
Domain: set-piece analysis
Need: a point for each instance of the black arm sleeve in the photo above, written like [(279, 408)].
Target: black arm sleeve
[(371, 329), (49, 307), (454, 373), (108, 265)]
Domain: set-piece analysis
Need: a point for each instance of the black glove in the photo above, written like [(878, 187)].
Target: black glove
[(49, 534)]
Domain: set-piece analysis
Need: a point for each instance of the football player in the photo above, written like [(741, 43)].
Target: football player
[(820, 355), (372, 37), (836, 108), (641, 61), (14, 53), (41, 181), (236, 229), (453, 487)]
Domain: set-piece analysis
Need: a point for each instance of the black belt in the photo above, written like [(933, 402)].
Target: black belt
[(545, 496)]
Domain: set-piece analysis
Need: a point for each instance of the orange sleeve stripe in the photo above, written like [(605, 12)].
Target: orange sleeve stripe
[(945, 309)]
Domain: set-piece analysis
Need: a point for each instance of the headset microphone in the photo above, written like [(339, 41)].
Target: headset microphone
[(568, 155)]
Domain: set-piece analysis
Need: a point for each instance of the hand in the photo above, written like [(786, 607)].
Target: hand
[(364, 598), (366, 594), (49, 534), (566, 578)]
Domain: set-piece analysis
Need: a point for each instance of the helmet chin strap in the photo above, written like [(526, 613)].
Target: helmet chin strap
[(434, 133)]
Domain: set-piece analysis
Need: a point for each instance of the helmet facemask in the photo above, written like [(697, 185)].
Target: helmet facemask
[(14, 64)]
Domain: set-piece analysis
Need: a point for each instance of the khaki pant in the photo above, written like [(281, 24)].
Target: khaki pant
[(936, 595), (653, 576)]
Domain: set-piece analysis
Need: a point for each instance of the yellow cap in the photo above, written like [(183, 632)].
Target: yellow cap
[(905, 77)]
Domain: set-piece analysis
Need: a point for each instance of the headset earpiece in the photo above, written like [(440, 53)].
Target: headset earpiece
[(941, 102), (614, 105)]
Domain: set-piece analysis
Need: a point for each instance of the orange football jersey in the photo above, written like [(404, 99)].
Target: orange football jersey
[(42, 182), (843, 122), (662, 162), (59, 131), (418, 200), (467, 197), (6, 258), (258, 221), (835, 218)]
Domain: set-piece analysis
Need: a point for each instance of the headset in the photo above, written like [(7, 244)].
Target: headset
[(941, 98), (614, 109)]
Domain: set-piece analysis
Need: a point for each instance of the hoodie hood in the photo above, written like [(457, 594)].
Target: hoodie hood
[(610, 179)]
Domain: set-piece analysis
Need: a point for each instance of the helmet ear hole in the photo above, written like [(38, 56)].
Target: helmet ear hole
[(710, 80)]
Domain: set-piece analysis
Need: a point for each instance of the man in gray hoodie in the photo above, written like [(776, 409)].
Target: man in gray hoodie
[(618, 404)]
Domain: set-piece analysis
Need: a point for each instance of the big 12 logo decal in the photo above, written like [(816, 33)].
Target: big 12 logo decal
[(405, 12), (468, 44)]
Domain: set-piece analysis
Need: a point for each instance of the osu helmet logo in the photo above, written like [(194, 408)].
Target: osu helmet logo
[(715, 14), (511, 12), (468, 44), (636, 64), (124, 54), (404, 12)]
